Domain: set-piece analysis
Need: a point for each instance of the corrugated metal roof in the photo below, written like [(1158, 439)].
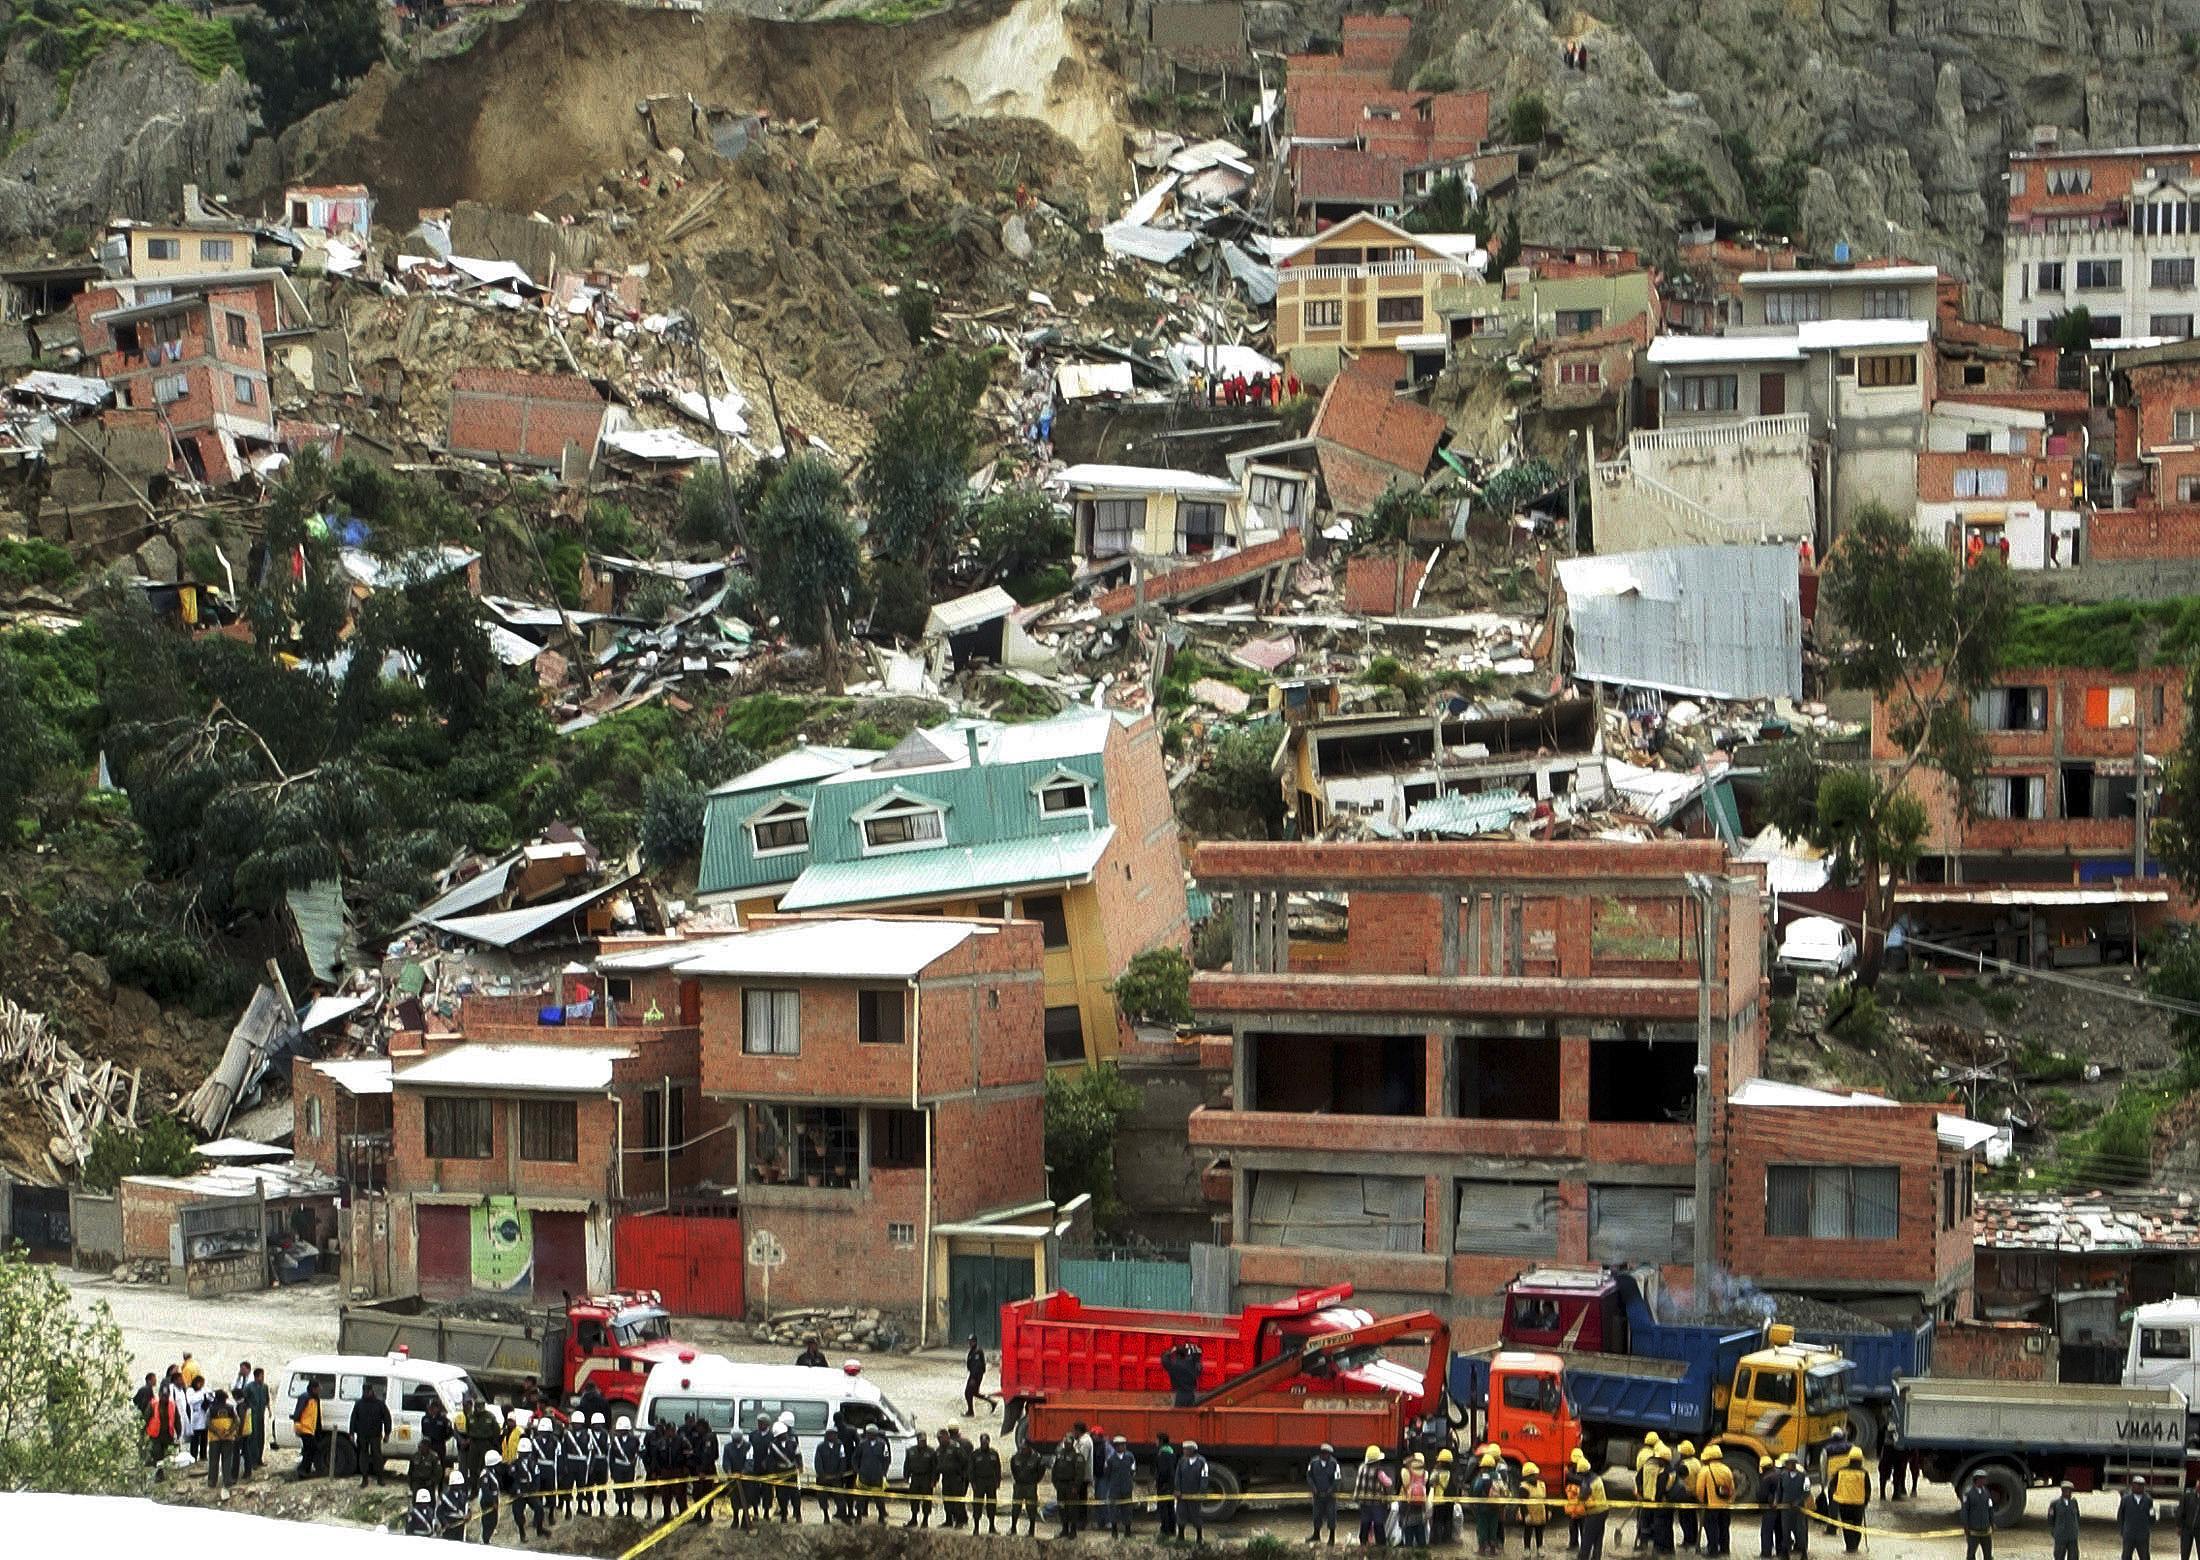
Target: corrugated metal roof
[(1145, 479), (852, 949), (950, 870), (1482, 812), (318, 910), (804, 763), (2090, 1221), (539, 1069), (502, 928), (479, 889), (423, 563), (1722, 622)]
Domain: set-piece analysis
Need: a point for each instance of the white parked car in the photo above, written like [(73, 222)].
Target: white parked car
[(1817, 945)]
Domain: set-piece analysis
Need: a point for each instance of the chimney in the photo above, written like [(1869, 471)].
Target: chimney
[(970, 740)]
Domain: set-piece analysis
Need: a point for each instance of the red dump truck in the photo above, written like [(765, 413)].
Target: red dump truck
[(1056, 1343), (1261, 1426)]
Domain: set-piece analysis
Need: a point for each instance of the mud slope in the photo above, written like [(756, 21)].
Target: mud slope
[(547, 101)]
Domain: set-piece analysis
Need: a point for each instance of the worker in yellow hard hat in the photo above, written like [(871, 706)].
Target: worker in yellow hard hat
[(1488, 1490), (1715, 1486), (1534, 1509), (1686, 1471), (1443, 1514), (1594, 1506), (1573, 1486), (1850, 1489)]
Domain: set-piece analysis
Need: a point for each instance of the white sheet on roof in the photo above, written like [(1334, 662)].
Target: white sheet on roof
[(550, 1069), (856, 949)]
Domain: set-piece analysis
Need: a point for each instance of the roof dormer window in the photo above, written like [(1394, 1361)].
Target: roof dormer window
[(1064, 795), (782, 829), (901, 822)]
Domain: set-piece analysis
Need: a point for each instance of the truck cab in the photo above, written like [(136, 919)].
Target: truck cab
[(612, 1340), (2165, 1346), (1789, 1397)]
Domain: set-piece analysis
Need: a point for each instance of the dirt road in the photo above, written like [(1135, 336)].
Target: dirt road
[(271, 1328)]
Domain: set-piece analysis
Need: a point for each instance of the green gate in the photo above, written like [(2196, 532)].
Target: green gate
[(1145, 1279), (978, 1286)]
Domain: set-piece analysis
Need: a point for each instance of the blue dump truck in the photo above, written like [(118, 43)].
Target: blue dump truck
[(1573, 1372), (1603, 1312)]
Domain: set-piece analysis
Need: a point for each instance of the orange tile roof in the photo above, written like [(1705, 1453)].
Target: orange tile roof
[(1360, 412)]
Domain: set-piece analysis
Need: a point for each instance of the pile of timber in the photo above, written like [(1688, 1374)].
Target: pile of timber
[(76, 1097)]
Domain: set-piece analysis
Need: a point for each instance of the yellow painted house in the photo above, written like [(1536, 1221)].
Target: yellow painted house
[(1361, 285), (1155, 511)]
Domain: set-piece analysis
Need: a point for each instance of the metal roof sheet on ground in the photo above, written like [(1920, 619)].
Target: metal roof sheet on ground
[(950, 870), (538, 1069), (2006, 895), (1162, 246), (853, 949), (1847, 335), (328, 1008), (422, 563), (666, 444), (1655, 793), (964, 612), (75, 389), (1790, 866), (1666, 350), (1081, 381), (292, 1178), (1483, 812), (510, 648), (502, 928), (1723, 622), (795, 768), (479, 889), (1145, 479), (357, 1074)]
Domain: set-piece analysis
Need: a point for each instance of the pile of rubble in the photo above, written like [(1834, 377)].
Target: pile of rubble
[(836, 1327), (76, 1098)]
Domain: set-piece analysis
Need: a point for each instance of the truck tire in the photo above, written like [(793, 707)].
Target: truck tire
[(1743, 1460), (1223, 1489), (1864, 1428), (2005, 1487)]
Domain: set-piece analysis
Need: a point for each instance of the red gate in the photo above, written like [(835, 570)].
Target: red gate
[(695, 1259)]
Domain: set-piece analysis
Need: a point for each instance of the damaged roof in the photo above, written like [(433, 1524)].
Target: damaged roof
[(1723, 622), (2088, 1221)]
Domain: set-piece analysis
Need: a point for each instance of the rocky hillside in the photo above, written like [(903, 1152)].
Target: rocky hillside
[(1882, 122)]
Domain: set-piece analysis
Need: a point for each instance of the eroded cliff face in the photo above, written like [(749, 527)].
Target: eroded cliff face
[(137, 124), (1899, 114)]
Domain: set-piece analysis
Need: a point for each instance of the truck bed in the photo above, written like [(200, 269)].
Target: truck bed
[(1285, 1426), (2020, 1416), (493, 1353), (1055, 1342), (1880, 1357)]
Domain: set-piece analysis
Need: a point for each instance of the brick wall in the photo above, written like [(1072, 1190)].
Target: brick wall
[(838, 1245), (1206, 575), (340, 1113), (2167, 531), (988, 1154), (593, 1174), (1139, 883), (1994, 1351), (1921, 1257), (500, 414), (148, 1214), (1372, 582)]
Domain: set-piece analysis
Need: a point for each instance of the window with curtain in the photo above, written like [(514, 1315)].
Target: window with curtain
[(549, 1131), (1832, 1202), (771, 1022)]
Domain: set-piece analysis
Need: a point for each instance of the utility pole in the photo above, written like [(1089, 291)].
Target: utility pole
[(1705, 891)]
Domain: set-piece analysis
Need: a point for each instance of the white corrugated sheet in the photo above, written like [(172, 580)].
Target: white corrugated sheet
[(1718, 622), (857, 949), (547, 1069)]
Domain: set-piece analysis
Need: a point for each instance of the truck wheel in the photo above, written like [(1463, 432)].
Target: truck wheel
[(1864, 1428), (1743, 1461), (1223, 1489), (2004, 1487)]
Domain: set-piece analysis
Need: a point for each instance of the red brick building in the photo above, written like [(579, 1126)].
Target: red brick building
[(1852, 1195), (189, 356), (1493, 1064), (528, 419), (340, 1112), (2156, 479), (2044, 867), (516, 1142), (885, 1083), (1359, 141)]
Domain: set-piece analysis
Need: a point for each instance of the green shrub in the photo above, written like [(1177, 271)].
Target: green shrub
[(34, 562), (918, 315), (1156, 988), (2041, 1064), (160, 1147), (1527, 119)]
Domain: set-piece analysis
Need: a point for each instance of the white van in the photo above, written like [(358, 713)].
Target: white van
[(728, 1394), (406, 1385)]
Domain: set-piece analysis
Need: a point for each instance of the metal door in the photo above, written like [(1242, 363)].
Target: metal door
[(978, 1285), (1772, 395), (561, 1256), (694, 1260), (446, 1250)]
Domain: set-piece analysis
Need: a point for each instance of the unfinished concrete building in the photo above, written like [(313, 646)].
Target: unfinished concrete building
[(1450, 1060)]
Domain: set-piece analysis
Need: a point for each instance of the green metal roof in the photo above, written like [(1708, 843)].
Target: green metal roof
[(1483, 812), (949, 871)]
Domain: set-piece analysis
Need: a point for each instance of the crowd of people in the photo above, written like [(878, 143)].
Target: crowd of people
[(531, 1463)]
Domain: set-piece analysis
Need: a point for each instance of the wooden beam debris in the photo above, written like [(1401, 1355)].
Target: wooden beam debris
[(76, 1098)]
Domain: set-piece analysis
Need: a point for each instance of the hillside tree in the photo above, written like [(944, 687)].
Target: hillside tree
[(1922, 636), (808, 562), (916, 479)]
